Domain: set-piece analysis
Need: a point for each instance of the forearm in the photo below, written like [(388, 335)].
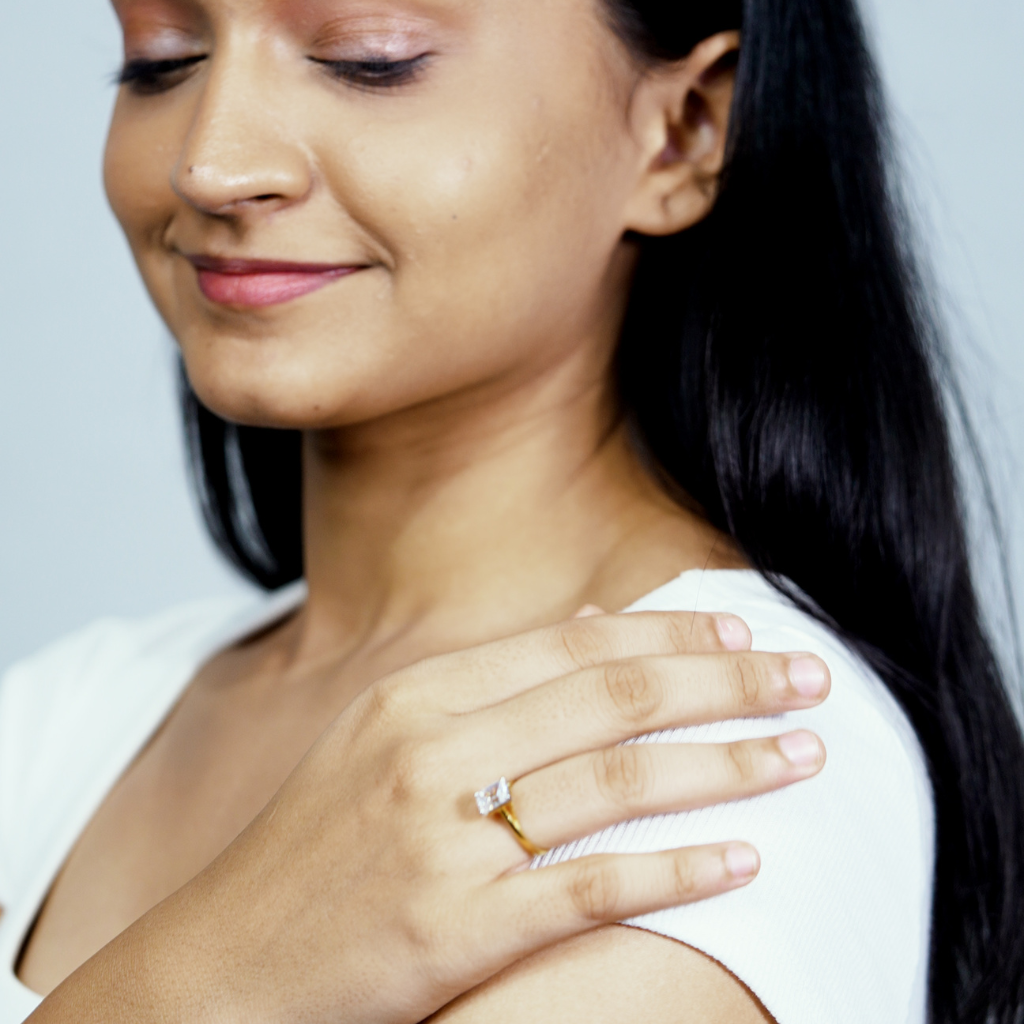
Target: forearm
[(169, 967)]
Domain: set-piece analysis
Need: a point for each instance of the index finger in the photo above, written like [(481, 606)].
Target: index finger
[(480, 677)]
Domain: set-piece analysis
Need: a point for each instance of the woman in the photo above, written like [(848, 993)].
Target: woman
[(566, 300)]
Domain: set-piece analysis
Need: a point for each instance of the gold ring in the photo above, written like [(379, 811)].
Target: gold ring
[(496, 800)]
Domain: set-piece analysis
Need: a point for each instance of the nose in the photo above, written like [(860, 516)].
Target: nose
[(239, 155)]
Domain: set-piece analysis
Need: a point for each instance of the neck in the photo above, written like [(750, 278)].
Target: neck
[(482, 517)]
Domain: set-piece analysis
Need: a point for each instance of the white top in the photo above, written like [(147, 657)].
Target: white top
[(835, 928)]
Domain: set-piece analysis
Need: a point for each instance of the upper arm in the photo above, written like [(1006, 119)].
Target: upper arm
[(837, 924), (614, 974)]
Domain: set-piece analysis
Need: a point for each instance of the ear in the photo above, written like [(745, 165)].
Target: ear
[(679, 116)]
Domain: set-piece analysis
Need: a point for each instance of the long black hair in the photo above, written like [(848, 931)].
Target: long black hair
[(781, 365)]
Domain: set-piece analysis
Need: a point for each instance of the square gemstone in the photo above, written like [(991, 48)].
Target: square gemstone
[(494, 796)]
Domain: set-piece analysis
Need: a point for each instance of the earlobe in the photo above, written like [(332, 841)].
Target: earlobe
[(681, 116)]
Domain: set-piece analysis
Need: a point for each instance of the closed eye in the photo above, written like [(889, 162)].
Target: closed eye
[(373, 72), (155, 76)]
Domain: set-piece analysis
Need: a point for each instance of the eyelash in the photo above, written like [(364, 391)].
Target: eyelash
[(375, 73), (149, 77)]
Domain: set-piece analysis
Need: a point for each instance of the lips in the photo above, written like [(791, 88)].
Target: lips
[(256, 283)]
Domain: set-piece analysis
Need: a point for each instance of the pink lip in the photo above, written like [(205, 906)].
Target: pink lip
[(255, 283)]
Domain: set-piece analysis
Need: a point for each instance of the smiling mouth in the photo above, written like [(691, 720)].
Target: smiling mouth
[(255, 283)]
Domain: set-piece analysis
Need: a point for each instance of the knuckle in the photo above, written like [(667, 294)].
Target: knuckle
[(684, 880), (749, 679), (624, 777), (633, 691), (391, 699), (595, 892), (409, 771), (420, 924), (739, 764), (584, 643), (679, 632), (400, 778), (705, 635)]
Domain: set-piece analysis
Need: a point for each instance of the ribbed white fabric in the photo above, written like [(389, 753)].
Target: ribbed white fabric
[(835, 929), (836, 926)]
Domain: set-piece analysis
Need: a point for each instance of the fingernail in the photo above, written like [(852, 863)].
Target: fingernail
[(808, 676), (742, 861), (800, 748), (733, 632)]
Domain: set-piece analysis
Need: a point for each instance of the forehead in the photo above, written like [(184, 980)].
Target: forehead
[(571, 25), (558, 28), (315, 10)]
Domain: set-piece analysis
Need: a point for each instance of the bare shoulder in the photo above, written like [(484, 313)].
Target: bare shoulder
[(613, 974)]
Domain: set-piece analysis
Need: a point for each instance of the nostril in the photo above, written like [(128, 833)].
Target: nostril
[(269, 195)]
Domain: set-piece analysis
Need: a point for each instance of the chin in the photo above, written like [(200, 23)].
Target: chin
[(267, 394), (259, 387)]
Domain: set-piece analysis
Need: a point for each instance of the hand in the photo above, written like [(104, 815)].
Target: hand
[(370, 889)]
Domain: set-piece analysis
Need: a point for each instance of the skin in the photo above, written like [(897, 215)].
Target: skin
[(467, 477)]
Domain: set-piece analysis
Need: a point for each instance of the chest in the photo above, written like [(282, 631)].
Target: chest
[(213, 765)]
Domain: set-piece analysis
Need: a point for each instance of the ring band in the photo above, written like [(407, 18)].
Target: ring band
[(505, 810), (496, 799)]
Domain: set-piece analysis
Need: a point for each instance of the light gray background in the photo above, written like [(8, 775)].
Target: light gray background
[(95, 513)]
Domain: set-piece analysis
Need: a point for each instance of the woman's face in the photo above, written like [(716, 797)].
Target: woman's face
[(456, 171)]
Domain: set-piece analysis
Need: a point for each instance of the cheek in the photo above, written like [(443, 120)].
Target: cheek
[(137, 166), (500, 212), (138, 163)]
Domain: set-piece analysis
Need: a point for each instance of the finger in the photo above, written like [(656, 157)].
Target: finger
[(537, 908), (486, 675), (584, 794), (606, 704), (589, 610)]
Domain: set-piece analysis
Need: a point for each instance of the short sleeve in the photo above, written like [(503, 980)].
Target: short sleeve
[(836, 926)]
